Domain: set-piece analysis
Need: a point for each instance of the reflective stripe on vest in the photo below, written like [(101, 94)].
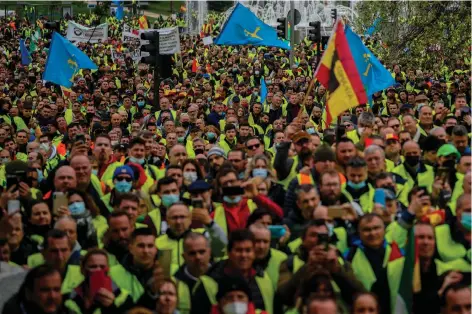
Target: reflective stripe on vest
[(305, 179), (448, 249)]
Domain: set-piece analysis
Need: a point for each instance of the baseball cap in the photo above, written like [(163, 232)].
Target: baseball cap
[(199, 186), (300, 135), (391, 136), (447, 150), (123, 170)]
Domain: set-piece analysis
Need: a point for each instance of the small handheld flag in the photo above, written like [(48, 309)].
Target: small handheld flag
[(244, 28), (143, 24), (25, 54), (64, 61)]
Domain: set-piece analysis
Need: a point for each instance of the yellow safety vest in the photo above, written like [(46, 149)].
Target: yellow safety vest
[(424, 179), (273, 268), (365, 274), (366, 200), (448, 249)]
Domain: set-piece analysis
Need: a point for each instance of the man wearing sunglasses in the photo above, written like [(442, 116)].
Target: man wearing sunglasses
[(123, 178), (254, 146)]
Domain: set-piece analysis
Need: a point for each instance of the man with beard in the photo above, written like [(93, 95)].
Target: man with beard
[(216, 157), (324, 160), (117, 237), (287, 168), (293, 107), (316, 113), (393, 148), (106, 161), (276, 110)]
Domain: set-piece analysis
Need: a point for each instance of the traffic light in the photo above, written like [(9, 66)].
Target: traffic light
[(150, 51), (315, 33), (334, 14), (282, 27)]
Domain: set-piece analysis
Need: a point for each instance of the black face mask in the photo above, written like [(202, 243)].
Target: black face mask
[(198, 151), (185, 124), (412, 161)]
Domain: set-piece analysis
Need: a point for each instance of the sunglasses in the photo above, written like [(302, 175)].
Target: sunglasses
[(124, 179), (255, 146)]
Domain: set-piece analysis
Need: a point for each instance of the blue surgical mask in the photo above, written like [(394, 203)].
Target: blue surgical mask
[(311, 131), (40, 175), (95, 172), (77, 208), (211, 135), (136, 160), (230, 200), (141, 103), (123, 186), (356, 186), (466, 221), (259, 173), (169, 199)]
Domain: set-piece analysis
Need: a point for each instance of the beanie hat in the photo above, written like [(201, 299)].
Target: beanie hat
[(216, 150)]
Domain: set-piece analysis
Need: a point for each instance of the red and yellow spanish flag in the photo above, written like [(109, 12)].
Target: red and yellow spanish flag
[(143, 24), (337, 72)]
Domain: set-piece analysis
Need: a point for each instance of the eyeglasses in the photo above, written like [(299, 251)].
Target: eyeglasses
[(255, 146), (127, 179)]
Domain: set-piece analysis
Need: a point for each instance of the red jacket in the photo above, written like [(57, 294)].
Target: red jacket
[(237, 216)]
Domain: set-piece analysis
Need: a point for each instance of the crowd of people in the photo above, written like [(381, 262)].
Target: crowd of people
[(219, 201)]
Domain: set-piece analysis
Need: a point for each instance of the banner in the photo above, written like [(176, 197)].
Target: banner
[(83, 34), (130, 35), (169, 40), (119, 57)]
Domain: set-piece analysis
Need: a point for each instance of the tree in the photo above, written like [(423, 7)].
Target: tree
[(426, 34)]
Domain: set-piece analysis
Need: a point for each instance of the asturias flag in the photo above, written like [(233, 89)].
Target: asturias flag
[(374, 75), (64, 61), (339, 75), (244, 28), (25, 55), (119, 9), (263, 92)]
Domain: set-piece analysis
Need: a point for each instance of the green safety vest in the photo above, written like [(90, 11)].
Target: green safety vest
[(458, 191), (185, 298), (273, 268), (366, 200), (448, 249), (353, 136), (164, 243), (424, 179), (220, 216), (264, 283), (107, 176), (293, 173), (127, 281), (457, 265), (365, 274)]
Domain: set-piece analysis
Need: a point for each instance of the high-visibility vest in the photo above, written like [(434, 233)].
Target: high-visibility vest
[(107, 176), (305, 179), (273, 267), (456, 192), (165, 243), (365, 274), (293, 173), (353, 136), (366, 200), (220, 216), (264, 283), (424, 179), (448, 249), (185, 297), (126, 281)]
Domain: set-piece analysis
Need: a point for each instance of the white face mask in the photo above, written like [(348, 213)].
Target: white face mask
[(360, 130), (235, 308)]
